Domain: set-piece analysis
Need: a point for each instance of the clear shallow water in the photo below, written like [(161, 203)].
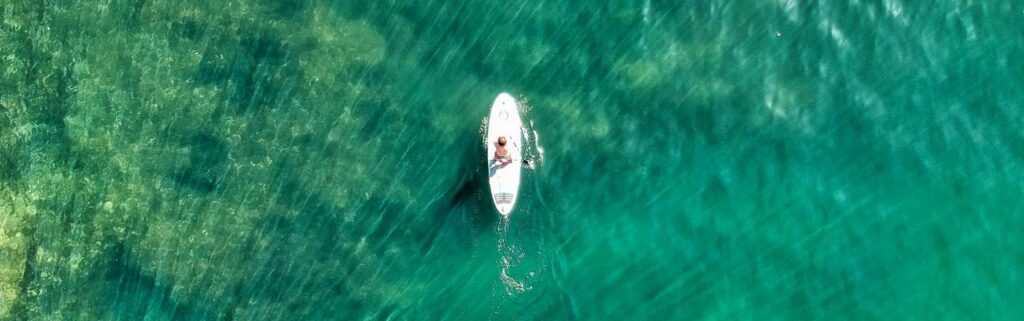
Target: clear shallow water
[(274, 160)]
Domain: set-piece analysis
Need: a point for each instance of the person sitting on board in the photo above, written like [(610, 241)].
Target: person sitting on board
[(501, 153)]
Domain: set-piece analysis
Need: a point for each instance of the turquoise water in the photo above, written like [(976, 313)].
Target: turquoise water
[(314, 160)]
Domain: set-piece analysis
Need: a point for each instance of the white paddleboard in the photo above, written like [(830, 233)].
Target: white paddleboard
[(504, 179)]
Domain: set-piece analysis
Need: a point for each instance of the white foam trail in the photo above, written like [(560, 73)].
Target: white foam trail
[(647, 12), (532, 150), (538, 147), (647, 21), (483, 132), (509, 257)]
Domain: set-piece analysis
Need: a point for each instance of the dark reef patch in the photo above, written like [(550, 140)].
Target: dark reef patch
[(206, 166), (9, 171), (51, 100), (187, 29), (259, 70), (286, 9), (263, 62), (10, 150), (138, 295)]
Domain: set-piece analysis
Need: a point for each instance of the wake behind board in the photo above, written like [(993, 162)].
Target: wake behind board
[(504, 178)]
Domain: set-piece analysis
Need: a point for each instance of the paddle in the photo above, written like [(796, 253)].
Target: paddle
[(526, 162)]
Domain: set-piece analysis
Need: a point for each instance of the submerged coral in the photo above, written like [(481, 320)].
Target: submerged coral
[(144, 134)]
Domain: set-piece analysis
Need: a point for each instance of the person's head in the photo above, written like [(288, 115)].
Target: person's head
[(502, 141)]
